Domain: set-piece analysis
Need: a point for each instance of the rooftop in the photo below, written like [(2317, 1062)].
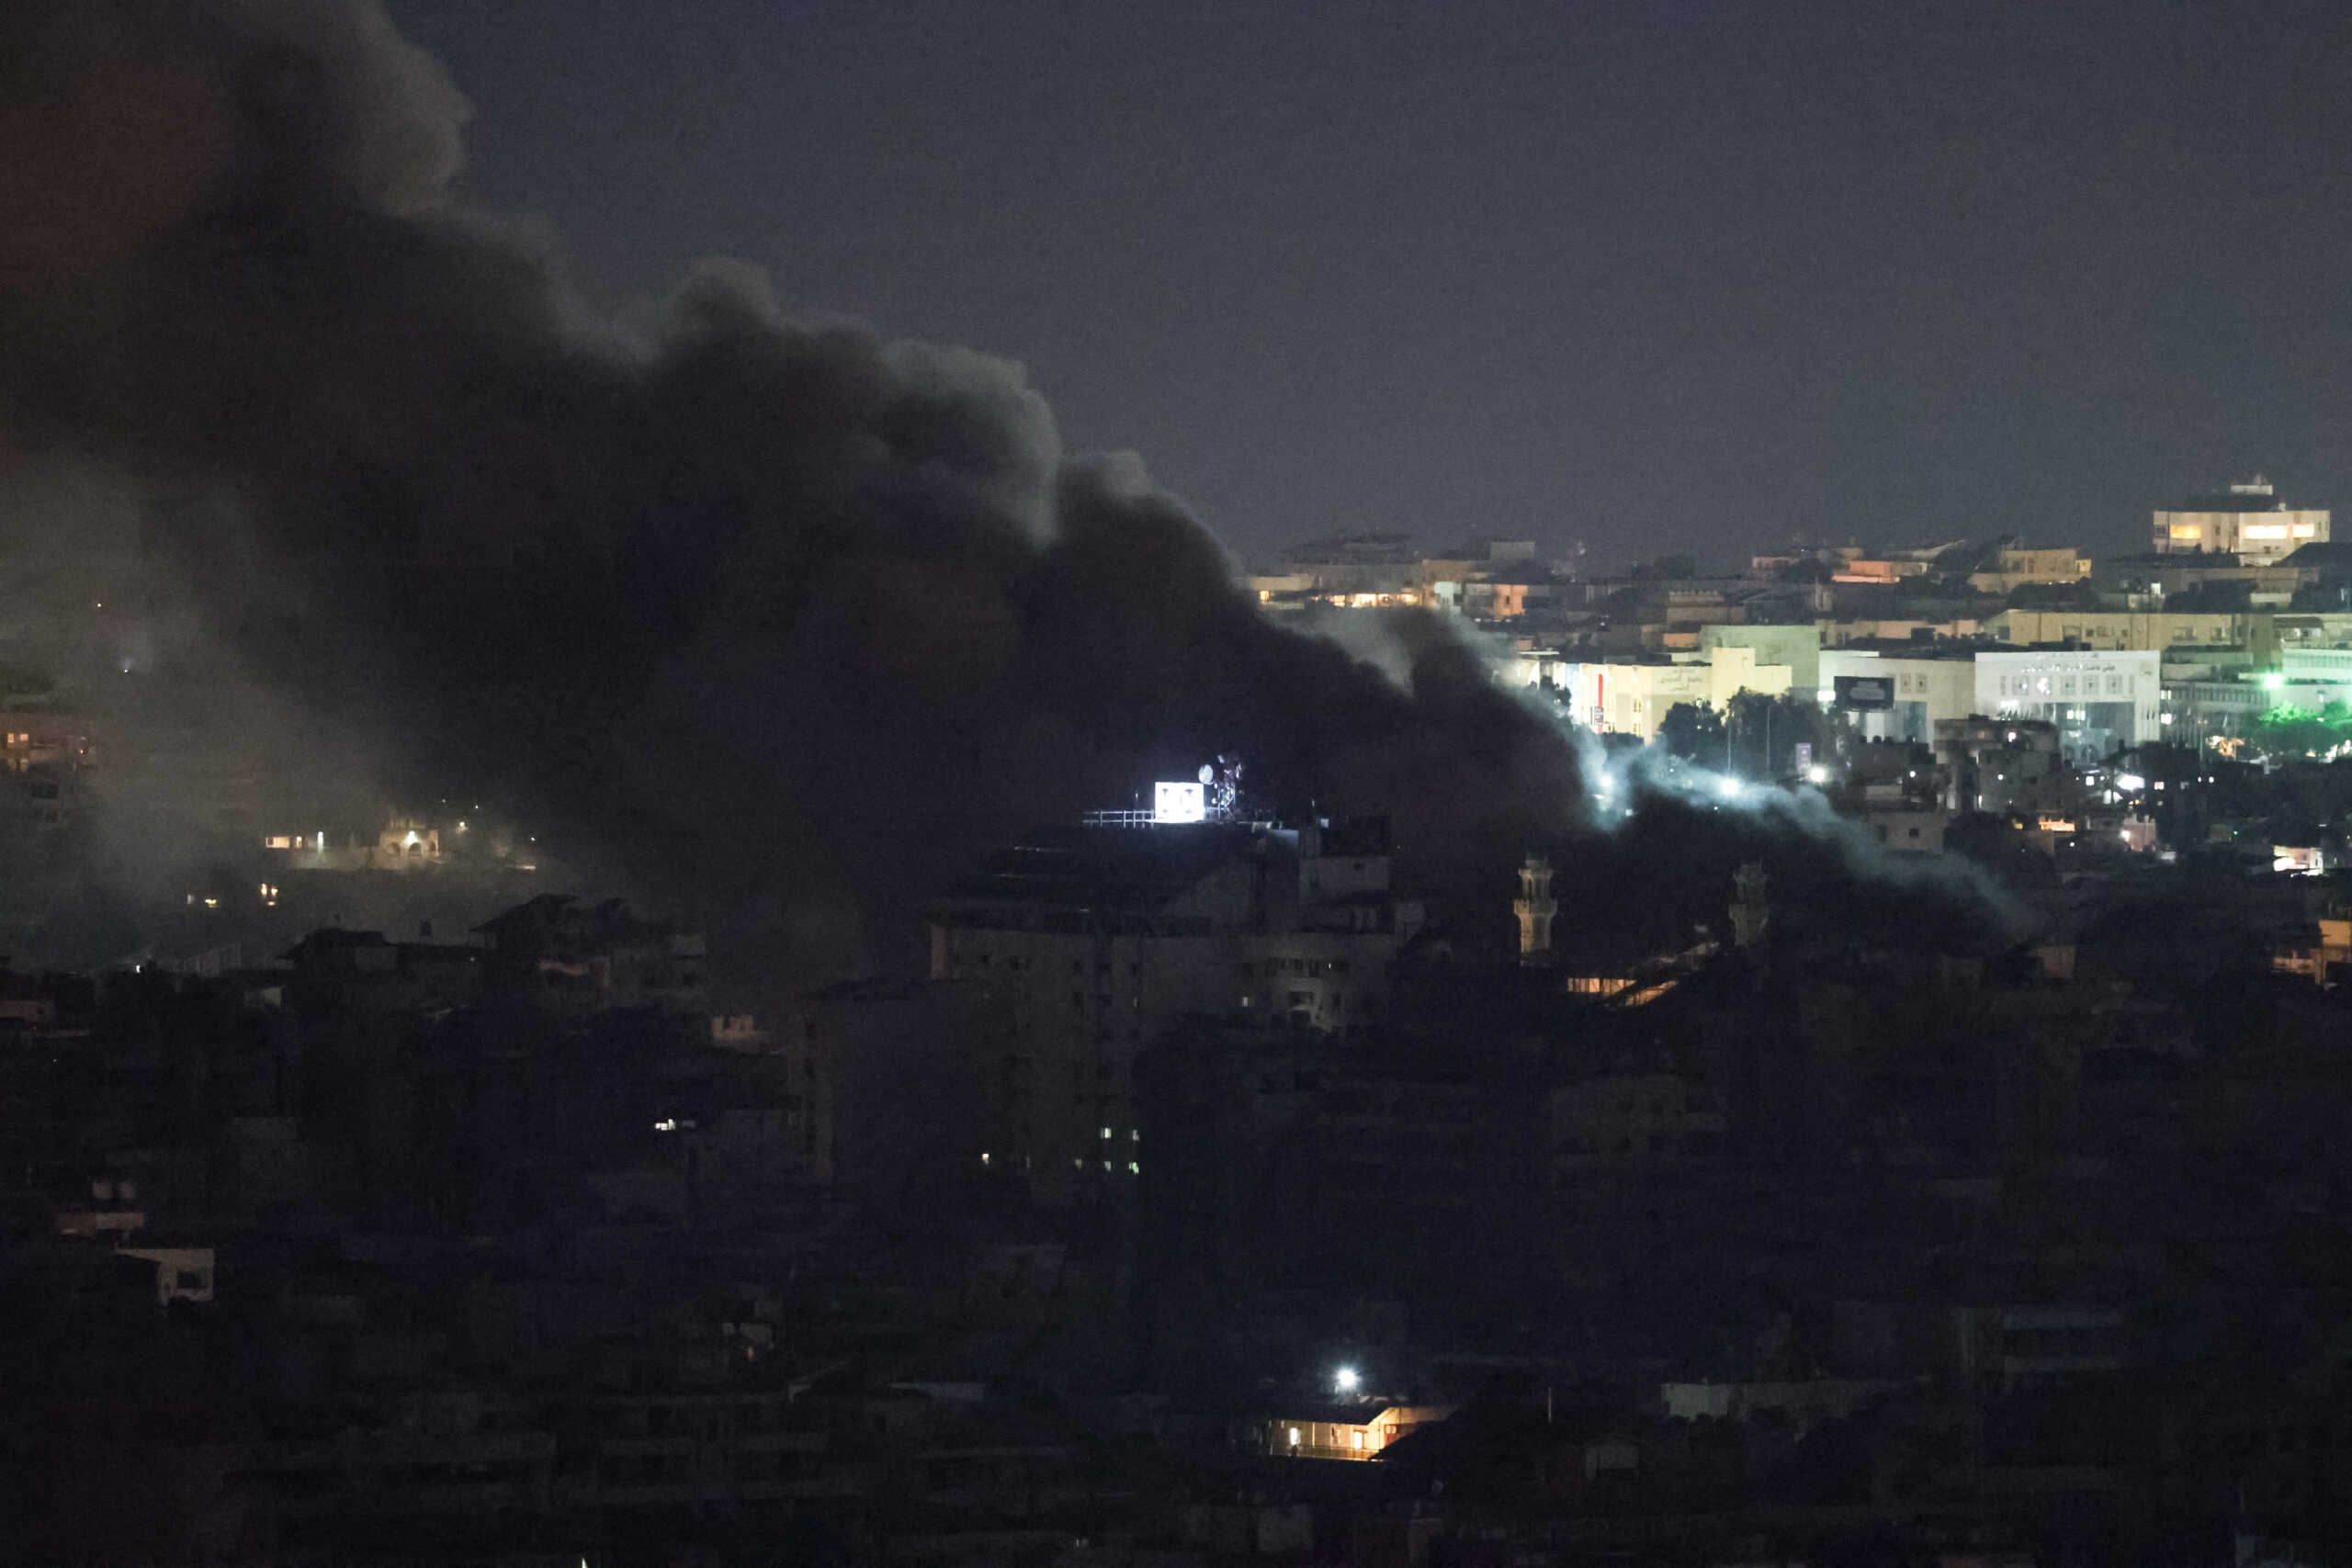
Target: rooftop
[(1109, 868)]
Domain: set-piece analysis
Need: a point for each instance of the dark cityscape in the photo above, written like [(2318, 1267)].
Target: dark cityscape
[(1514, 786)]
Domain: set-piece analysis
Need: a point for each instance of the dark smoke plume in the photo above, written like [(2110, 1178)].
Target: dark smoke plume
[(785, 621)]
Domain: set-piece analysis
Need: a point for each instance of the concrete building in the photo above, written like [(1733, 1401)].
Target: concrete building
[(2003, 765), (589, 957), (2137, 630), (1631, 698), (2247, 520), (2098, 701), (1354, 563), (408, 845), (42, 758), (2148, 583), (1919, 693), (1798, 646), (1837, 632), (1348, 1432), (1100, 937), (880, 1083), (32, 739), (2014, 568)]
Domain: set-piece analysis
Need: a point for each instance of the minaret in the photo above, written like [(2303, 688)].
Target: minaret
[(1536, 906)]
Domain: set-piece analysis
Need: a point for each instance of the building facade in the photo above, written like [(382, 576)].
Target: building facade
[(2138, 630), (1101, 937), (2098, 702), (2247, 520), (1921, 691), (1633, 698)]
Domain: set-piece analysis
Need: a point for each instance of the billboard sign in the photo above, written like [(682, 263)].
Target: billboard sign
[(1186, 802), (1865, 694)]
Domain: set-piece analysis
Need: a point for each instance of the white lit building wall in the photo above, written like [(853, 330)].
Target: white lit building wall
[(1926, 690), (2098, 701), (1631, 699)]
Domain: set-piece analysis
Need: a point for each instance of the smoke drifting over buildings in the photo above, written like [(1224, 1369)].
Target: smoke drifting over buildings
[(776, 617)]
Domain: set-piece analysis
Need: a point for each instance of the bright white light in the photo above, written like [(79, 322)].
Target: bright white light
[(1345, 1380), (2129, 781), (1728, 788), (1817, 775), (1178, 802)]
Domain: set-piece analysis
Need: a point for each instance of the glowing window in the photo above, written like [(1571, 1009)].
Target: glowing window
[(2187, 531)]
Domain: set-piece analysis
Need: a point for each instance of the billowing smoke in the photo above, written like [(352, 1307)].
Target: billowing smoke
[(780, 620), (1681, 807)]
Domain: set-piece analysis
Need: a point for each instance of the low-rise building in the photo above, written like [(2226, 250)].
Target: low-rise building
[(1897, 696), (1798, 646), (2003, 765), (2017, 567), (1349, 1431), (2247, 520), (2138, 630), (1631, 698)]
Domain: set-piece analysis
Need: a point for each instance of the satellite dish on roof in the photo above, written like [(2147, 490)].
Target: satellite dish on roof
[(1208, 772)]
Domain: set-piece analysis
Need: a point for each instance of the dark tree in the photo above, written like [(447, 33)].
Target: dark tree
[(1693, 731)]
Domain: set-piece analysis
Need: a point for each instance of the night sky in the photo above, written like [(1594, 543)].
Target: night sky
[(1654, 276)]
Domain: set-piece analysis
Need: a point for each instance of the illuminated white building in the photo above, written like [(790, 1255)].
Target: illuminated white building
[(1631, 698), (1917, 693), (2247, 521), (2098, 701)]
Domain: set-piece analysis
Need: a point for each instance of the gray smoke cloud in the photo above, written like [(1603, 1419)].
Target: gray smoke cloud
[(774, 617)]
